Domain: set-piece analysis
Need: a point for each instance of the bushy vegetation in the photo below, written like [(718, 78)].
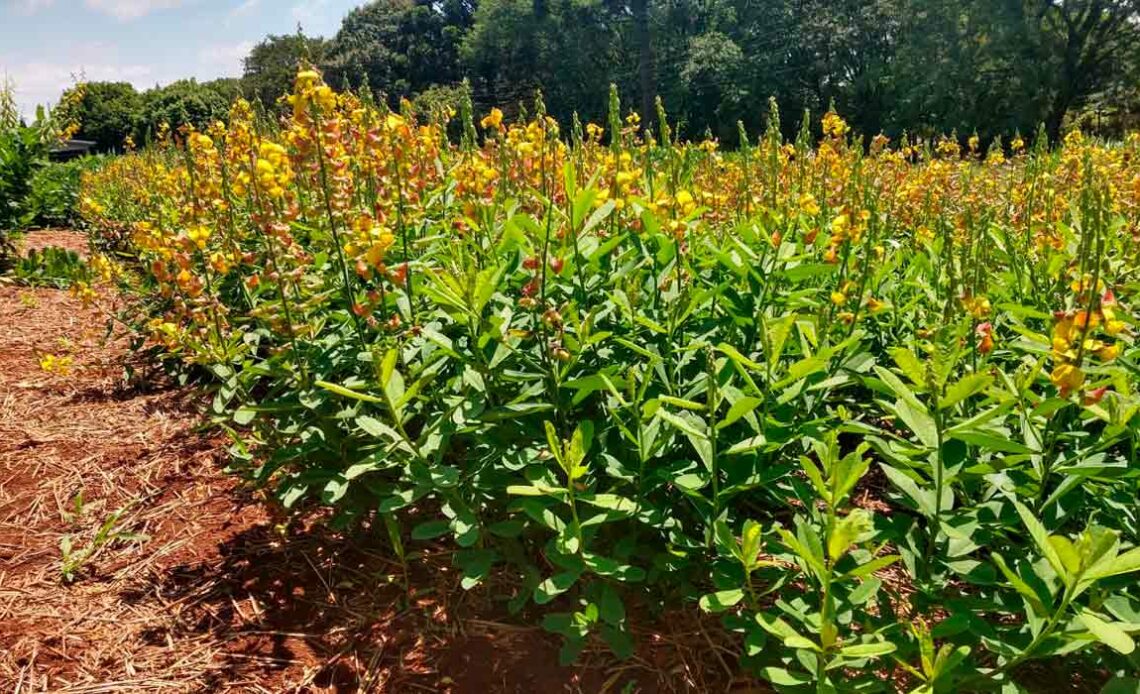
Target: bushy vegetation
[(54, 192), (876, 406), (51, 267), (23, 153), (927, 67), (115, 116)]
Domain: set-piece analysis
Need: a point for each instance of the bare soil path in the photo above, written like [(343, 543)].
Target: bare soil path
[(201, 589)]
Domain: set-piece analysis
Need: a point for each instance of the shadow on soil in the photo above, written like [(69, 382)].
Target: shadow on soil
[(331, 612)]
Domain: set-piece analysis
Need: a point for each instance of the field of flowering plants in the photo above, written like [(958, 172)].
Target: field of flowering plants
[(873, 402)]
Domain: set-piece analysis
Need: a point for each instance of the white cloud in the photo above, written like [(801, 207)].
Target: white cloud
[(225, 58), (242, 9), (28, 7), (39, 83), (308, 11), (126, 10)]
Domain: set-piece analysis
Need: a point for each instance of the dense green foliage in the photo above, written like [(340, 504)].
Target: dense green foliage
[(50, 267), (271, 65), (23, 152), (877, 408), (994, 67), (53, 197), (399, 47), (114, 115)]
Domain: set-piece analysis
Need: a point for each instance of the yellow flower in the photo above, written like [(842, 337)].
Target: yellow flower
[(977, 306), (685, 202), (493, 120), (808, 205), (57, 365), (1109, 352), (1067, 378), (833, 125), (840, 224), (393, 121)]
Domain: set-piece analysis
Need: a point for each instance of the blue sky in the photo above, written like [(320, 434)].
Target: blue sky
[(43, 43)]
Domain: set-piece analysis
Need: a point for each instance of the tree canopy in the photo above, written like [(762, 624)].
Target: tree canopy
[(991, 67)]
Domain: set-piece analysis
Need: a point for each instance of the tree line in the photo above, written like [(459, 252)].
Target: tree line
[(984, 67)]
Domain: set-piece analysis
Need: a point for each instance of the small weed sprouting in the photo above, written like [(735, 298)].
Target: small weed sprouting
[(73, 558)]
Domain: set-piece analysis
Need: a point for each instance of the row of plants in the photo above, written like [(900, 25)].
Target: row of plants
[(33, 191), (873, 402)]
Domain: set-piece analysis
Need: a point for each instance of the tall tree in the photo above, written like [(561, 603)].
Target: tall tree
[(643, 39), (571, 51), (1087, 42), (401, 47), (107, 112), (186, 102), (270, 67)]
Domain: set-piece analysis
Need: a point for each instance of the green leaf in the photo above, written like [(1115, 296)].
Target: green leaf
[(784, 631), (990, 442), (598, 215), (610, 607), (534, 490), (748, 445), (1041, 539), (910, 365), (1067, 552), (816, 479), (804, 368), (688, 425), (735, 355), (739, 409), (918, 421), (476, 565), (682, 403), (811, 558), (847, 531), (751, 538), (966, 387), (691, 481), (555, 586), (345, 392), (1107, 633), (922, 499), (334, 490), (610, 502), (899, 388), (244, 415), (721, 600), (867, 650), (374, 427), (685, 425), (866, 590), (1018, 583), (619, 641), (1125, 563), (553, 442), (870, 567), (784, 678), (430, 529), (778, 331), (1122, 685)]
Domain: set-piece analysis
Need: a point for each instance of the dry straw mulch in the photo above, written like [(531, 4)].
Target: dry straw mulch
[(219, 595)]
